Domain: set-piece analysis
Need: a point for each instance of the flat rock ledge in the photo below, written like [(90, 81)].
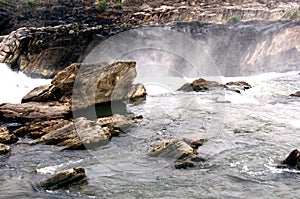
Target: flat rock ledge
[(65, 179)]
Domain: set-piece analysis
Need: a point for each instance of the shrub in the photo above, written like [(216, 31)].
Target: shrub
[(295, 15), (29, 3), (234, 19), (102, 6), (118, 6)]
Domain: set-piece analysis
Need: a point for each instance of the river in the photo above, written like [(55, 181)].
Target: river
[(247, 134)]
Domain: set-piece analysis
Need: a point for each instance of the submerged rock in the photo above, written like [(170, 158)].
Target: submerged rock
[(65, 179), (297, 94), (6, 137), (293, 159), (84, 85), (4, 149)]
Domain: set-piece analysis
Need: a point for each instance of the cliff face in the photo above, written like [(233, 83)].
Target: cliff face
[(135, 13), (234, 49), (248, 48)]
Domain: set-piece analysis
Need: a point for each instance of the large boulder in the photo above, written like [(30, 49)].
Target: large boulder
[(89, 84), (33, 112), (65, 179)]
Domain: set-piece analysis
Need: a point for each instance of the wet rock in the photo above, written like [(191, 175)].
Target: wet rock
[(174, 149), (79, 134), (297, 94), (184, 165), (33, 112), (4, 149), (38, 129), (136, 91), (201, 85), (6, 137), (293, 159), (95, 84), (65, 179), (238, 86)]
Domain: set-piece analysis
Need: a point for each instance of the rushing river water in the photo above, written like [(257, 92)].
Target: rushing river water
[(247, 134)]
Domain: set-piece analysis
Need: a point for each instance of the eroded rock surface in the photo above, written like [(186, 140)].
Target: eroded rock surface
[(65, 179), (33, 112), (6, 137), (89, 84), (4, 149)]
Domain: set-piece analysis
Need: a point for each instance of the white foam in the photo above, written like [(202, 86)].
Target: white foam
[(15, 85)]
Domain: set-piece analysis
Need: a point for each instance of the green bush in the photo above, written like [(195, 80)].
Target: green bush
[(102, 6), (29, 3), (295, 15), (234, 19), (118, 6)]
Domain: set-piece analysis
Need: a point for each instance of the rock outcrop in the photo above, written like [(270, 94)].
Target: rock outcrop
[(45, 51), (6, 137), (293, 159), (4, 149), (89, 84), (201, 85), (296, 94), (65, 179), (33, 112), (83, 133)]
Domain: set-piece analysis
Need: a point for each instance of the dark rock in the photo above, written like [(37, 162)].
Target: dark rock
[(238, 86), (4, 149), (65, 179), (297, 94), (201, 85), (33, 112), (184, 165), (45, 51), (6, 137), (293, 160)]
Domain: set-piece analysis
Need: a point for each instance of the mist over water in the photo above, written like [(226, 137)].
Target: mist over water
[(15, 85)]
